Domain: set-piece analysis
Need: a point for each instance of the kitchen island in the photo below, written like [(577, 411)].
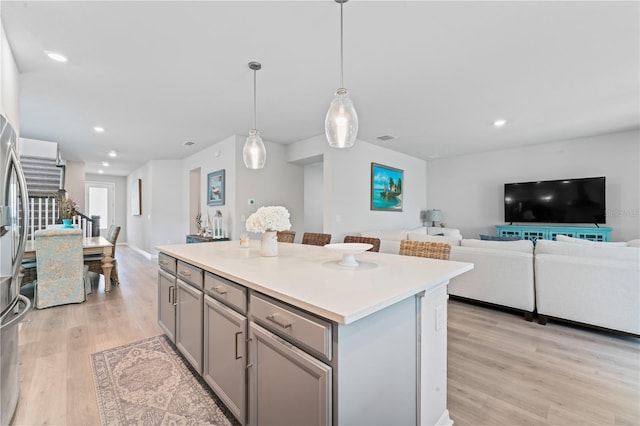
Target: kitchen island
[(320, 343)]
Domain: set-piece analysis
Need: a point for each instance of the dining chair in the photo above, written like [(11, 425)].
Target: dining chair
[(425, 249), (316, 239), (94, 262), (62, 276), (357, 239), (286, 236)]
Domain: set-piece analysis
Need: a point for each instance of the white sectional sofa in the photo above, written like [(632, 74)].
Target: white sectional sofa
[(502, 273), (390, 239), (590, 283)]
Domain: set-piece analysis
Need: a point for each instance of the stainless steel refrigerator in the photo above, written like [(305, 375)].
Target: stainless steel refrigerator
[(13, 234)]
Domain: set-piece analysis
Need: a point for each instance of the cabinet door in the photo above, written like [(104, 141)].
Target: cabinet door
[(166, 307), (189, 323), (224, 365), (287, 386)]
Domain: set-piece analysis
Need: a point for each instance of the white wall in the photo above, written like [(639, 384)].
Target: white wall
[(74, 181), (9, 86), (313, 197), (279, 183), (347, 183), (120, 208), (220, 156), (470, 189)]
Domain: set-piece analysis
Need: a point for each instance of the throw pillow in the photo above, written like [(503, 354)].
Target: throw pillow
[(499, 238), (565, 239)]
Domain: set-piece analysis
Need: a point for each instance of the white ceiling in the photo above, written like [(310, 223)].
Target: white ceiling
[(435, 74)]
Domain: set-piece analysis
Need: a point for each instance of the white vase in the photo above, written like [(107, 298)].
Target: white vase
[(269, 244)]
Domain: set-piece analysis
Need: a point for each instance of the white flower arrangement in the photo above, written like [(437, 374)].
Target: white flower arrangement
[(270, 218)]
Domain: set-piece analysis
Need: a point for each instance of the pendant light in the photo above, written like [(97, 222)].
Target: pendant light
[(341, 122), (254, 153)]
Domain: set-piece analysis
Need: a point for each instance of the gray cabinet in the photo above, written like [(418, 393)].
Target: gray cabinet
[(167, 295), (189, 305), (287, 386), (166, 304), (224, 366)]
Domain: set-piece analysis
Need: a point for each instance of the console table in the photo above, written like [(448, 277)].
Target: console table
[(201, 239), (535, 232)]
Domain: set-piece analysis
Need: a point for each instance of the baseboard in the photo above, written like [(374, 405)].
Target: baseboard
[(148, 255)]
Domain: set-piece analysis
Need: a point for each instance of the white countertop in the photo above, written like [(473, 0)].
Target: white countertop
[(310, 278)]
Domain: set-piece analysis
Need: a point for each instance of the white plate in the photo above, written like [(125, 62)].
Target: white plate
[(349, 250)]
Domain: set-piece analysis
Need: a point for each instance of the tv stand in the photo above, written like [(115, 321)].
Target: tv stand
[(543, 232)]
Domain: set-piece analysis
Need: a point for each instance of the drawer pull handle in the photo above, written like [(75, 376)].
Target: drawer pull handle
[(185, 274), (239, 333), (220, 290), (275, 320)]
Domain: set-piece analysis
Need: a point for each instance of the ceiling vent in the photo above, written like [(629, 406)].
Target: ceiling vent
[(385, 137), (189, 143)]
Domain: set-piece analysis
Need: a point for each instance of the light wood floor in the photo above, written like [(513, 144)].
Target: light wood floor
[(502, 369)]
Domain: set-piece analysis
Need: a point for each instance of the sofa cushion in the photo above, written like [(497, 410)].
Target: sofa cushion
[(500, 237), (417, 236), (596, 250), (566, 239), (524, 246)]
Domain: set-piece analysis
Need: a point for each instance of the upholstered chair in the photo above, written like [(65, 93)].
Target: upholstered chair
[(94, 262), (425, 249), (286, 236), (357, 239), (61, 272), (316, 239)]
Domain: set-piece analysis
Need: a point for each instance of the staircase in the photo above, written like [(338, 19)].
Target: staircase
[(44, 179)]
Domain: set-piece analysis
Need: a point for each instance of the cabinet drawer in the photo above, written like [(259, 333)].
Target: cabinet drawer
[(226, 291), (310, 332), (190, 274), (167, 263)]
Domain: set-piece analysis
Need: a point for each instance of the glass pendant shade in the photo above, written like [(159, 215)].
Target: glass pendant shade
[(341, 123), (254, 152)]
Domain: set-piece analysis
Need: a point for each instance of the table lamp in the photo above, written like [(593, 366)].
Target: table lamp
[(434, 216)]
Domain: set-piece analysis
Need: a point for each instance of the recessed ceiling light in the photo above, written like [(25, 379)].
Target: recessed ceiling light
[(113, 154), (499, 122), (55, 56), (101, 171), (105, 164), (98, 129)]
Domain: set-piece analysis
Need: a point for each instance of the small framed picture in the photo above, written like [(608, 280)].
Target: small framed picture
[(386, 188), (215, 188)]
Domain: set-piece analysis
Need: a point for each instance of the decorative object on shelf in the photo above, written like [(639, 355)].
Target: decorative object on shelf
[(218, 225), (254, 152), (268, 220), (199, 222), (386, 188), (348, 251), (245, 242), (136, 197), (434, 216), (215, 188), (341, 122), (66, 206)]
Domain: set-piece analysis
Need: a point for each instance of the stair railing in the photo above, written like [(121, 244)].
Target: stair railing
[(43, 211)]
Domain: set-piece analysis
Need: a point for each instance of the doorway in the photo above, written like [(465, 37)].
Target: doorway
[(100, 201)]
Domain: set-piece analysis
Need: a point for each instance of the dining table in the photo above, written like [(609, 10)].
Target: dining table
[(90, 246)]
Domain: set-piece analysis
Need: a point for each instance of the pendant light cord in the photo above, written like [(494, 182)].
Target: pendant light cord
[(254, 101), (341, 49)]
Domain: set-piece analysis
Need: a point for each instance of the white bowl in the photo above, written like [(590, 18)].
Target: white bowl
[(349, 250)]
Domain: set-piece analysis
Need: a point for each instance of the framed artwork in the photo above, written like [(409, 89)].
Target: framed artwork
[(386, 188), (136, 198), (215, 188)]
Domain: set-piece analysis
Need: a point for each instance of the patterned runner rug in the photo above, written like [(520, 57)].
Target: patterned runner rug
[(149, 383)]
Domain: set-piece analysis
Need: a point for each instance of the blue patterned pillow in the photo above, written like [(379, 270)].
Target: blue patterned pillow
[(499, 237)]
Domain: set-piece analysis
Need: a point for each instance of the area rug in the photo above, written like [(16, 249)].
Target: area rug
[(149, 383)]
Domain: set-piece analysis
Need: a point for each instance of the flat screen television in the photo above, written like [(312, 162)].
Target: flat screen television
[(556, 201)]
